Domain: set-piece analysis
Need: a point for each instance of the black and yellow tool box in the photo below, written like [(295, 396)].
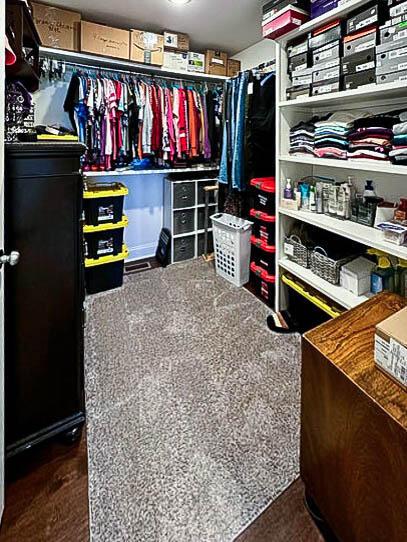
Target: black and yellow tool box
[(103, 202), (105, 239), (106, 272)]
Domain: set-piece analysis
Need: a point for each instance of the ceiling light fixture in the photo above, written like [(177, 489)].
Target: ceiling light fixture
[(179, 2)]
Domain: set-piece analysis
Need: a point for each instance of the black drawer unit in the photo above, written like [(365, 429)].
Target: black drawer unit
[(184, 195), (44, 294), (184, 221), (184, 213), (184, 248)]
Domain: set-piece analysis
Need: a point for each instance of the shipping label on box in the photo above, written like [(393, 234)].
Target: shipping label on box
[(147, 47), (216, 62), (105, 40), (58, 28), (391, 347), (176, 61), (176, 41), (196, 62)]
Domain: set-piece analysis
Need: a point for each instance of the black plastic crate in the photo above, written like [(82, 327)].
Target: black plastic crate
[(105, 273), (264, 194), (103, 203), (263, 255), (103, 243), (264, 284), (264, 226)]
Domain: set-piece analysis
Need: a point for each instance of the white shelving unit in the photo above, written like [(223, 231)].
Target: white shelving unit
[(390, 180), (87, 59)]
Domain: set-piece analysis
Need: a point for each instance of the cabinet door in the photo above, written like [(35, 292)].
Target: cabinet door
[(44, 298)]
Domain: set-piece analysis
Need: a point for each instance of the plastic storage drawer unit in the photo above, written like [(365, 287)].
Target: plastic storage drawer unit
[(264, 283), (184, 248), (184, 221), (264, 226), (105, 273), (263, 255), (265, 194), (184, 195), (104, 240), (103, 202)]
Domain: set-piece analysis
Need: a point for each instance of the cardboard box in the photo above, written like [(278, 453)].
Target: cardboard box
[(234, 67), (391, 347), (104, 40), (176, 41), (216, 62), (196, 62), (176, 61), (146, 47), (58, 28)]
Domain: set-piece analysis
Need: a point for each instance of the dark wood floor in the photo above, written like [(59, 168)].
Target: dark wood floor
[(47, 500)]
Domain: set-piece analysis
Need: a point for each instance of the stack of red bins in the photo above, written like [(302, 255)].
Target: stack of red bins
[(263, 255)]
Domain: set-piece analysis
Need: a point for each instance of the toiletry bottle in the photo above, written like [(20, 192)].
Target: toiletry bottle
[(298, 198), (382, 276), (288, 190), (341, 202), (333, 200), (312, 199), (319, 197), (369, 191), (305, 197), (400, 214)]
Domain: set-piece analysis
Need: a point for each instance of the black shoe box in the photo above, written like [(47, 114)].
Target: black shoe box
[(393, 33), (374, 15), (298, 62), (397, 9), (391, 46), (298, 48), (355, 80), (303, 77), (298, 91), (326, 87), (325, 35), (359, 42), (395, 77), (327, 52), (359, 62)]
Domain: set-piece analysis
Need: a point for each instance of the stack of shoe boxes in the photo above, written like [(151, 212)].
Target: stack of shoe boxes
[(391, 59), (342, 55)]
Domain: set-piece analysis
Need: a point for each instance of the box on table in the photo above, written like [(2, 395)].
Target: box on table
[(176, 41), (176, 61), (196, 62), (391, 347), (233, 67), (216, 62), (104, 40), (146, 47), (58, 28)]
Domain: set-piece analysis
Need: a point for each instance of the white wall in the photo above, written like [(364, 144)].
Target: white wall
[(263, 51)]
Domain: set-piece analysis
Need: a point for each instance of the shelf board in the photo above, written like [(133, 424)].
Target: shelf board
[(374, 166), (336, 293), (148, 171), (365, 235), (116, 63), (337, 13), (361, 96)]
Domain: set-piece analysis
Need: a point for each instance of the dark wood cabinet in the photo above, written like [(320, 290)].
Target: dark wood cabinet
[(354, 428), (44, 293)]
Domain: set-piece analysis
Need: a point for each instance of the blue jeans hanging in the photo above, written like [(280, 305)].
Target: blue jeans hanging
[(238, 162)]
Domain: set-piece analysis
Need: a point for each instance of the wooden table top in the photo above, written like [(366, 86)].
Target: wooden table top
[(348, 343)]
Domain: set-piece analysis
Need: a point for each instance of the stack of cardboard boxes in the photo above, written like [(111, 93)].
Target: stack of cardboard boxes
[(63, 29)]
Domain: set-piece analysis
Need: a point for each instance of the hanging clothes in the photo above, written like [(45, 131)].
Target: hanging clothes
[(122, 120)]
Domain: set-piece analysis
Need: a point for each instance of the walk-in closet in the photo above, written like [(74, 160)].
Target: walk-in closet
[(203, 271)]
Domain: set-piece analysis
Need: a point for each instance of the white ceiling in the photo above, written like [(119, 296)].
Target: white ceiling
[(229, 25)]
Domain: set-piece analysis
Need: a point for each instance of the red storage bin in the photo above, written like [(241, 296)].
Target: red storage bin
[(264, 283), (264, 226), (265, 194), (263, 255)]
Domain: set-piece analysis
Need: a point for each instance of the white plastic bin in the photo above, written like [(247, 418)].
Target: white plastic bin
[(231, 238)]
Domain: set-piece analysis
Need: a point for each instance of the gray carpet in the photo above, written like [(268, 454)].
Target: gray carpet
[(192, 405)]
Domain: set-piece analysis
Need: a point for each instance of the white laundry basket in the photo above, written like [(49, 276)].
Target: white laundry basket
[(231, 237)]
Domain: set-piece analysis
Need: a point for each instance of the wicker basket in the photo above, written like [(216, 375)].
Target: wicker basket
[(325, 267), (296, 251)]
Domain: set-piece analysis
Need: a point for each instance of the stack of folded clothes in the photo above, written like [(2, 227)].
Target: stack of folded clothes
[(331, 135), (302, 137), (398, 154), (371, 137)]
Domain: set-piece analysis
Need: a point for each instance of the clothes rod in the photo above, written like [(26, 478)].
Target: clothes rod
[(112, 65)]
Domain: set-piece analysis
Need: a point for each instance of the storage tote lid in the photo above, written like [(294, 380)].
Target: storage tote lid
[(267, 184), (105, 190), (262, 245), (262, 216)]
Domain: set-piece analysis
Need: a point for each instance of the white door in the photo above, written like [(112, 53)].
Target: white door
[(2, 75)]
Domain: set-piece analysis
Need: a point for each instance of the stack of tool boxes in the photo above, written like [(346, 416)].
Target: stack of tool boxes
[(391, 59), (342, 54), (263, 253), (103, 230)]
